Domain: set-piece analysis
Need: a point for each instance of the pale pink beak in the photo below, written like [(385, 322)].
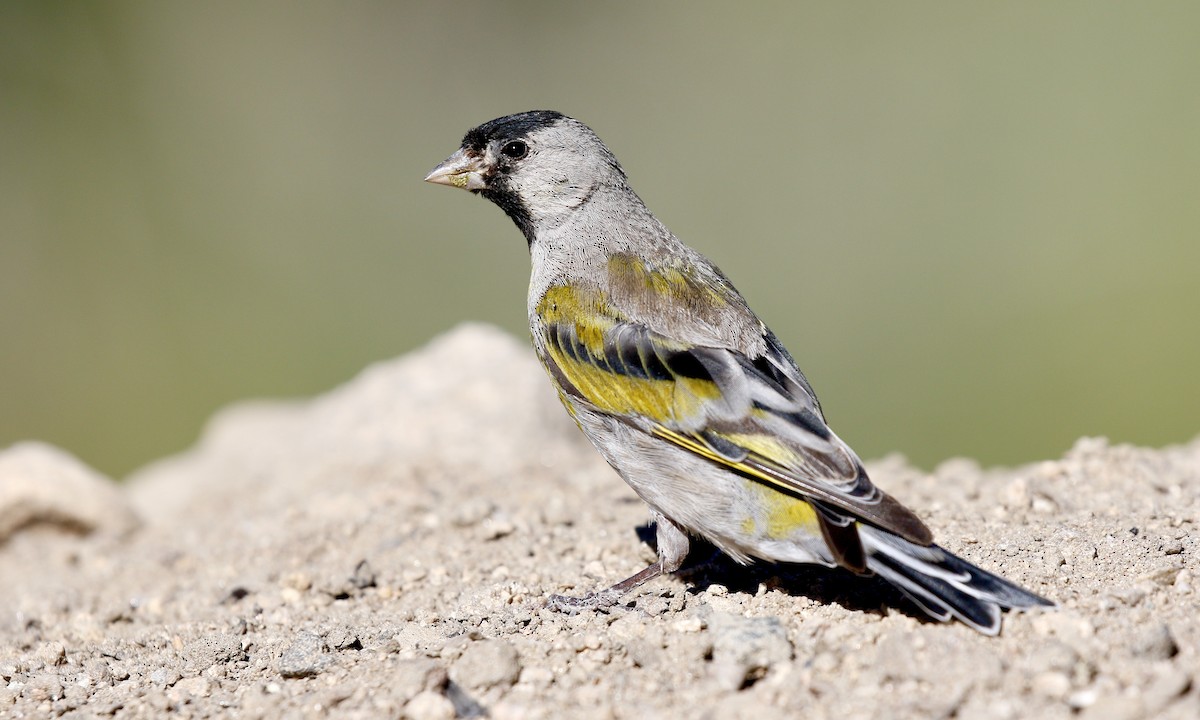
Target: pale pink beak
[(461, 170)]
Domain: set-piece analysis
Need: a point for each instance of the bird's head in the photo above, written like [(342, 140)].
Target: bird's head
[(538, 166)]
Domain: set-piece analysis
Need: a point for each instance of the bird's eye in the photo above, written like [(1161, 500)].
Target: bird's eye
[(515, 150)]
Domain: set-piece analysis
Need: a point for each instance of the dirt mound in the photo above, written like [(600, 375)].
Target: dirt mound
[(384, 550)]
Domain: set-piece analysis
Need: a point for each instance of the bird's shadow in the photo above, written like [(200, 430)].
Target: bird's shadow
[(706, 566)]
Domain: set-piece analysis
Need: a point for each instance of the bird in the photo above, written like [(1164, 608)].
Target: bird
[(685, 392)]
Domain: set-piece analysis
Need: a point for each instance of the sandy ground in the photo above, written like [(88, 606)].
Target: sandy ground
[(384, 550)]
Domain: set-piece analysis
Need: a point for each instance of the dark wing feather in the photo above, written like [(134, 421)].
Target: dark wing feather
[(756, 416)]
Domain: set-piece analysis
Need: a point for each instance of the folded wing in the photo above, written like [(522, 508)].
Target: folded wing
[(755, 416)]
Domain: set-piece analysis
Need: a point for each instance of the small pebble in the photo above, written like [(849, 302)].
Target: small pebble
[(744, 649), (304, 657), (197, 687), (212, 649), (165, 676), (342, 637), (1167, 685), (1129, 595), (43, 687), (1081, 699), (298, 581), (429, 705), (1044, 505), (495, 528), (417, 675), (8, 668), (1155, 643), (690, 624), (52, 653), (98, 671), (1054, 656), (1053, 685), (538, 677), (472, 511), (487, 663)]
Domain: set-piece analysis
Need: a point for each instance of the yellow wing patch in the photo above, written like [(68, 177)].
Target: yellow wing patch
[(770, 448), (622, 368), (578, 322), (587, 311), (677, 400), (617, 394)]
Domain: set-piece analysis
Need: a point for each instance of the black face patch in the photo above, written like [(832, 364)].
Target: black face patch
[(512, 206), (510, 127)]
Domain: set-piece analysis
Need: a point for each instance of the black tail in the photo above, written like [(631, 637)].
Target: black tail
[(943, 585)]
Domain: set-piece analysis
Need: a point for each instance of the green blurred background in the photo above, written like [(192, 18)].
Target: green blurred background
[(975, 225)]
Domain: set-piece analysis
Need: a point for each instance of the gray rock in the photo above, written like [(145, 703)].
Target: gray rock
[(98, 672), (74, 696), (487, 663), (342, 637), (10, 667), (417, 675), (165, 676), (208, 650), (196, 687), (744, 649), (43, 687), (304, 657), (52, 653)]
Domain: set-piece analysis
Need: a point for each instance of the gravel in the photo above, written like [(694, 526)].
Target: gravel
[(385, 550)]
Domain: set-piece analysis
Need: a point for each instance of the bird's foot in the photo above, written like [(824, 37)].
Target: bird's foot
[(592, 601), (608, 598)]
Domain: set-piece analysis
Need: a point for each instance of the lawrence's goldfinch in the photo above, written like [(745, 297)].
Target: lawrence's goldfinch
[(684, 391)]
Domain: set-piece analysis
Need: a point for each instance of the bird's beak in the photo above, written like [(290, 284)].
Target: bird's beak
[(461, 170)]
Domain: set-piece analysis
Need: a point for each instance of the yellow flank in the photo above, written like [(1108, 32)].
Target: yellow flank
[(784, 514)]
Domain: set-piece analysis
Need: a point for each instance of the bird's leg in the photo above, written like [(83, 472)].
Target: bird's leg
[(672, 549)]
